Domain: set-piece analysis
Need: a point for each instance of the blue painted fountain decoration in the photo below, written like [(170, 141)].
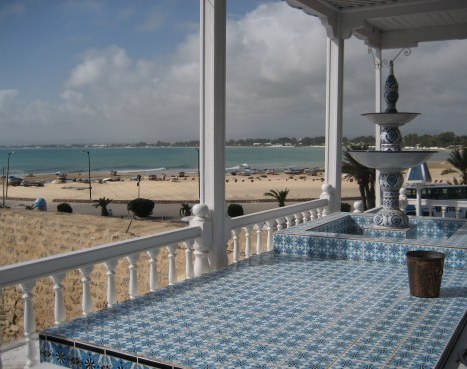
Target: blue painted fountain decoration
[(391, 160)]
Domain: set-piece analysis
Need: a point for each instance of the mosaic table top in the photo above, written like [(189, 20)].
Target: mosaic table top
[(272, 311)]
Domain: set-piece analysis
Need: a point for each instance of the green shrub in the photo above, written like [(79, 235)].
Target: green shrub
[(141, 207), (235, 210), (64, 207), (185, 210), (346, 207)]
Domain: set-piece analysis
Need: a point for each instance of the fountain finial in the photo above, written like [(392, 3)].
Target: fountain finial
[(391, 90)]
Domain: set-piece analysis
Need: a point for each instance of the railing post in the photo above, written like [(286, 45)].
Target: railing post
[(314, 214), (111, 293), (236, 250), (59, 309), (458, 212), (247, 230), (443, 211), (269, 229), (172, 249), (305, 216), (327, 194), (259, 238), (279, 223), (153, 284), (403, 199), (289, 221), (29, 323), (202, 244), (189, 272), (133, 269), (86, 303)]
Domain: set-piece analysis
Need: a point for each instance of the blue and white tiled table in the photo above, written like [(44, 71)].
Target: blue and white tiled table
[(272, 311)]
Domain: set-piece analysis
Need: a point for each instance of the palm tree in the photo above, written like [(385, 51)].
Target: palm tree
[(185, 210), (103, 202), (364, 176), (279, 195), (458, 159)]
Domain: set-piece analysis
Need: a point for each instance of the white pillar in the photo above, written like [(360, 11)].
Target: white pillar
[(378, 99), (334, 101), (212, 122)]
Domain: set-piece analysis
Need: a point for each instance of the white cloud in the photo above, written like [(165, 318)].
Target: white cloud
[(276, 87)]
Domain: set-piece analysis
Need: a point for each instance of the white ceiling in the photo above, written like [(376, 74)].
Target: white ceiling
[(390, 23)]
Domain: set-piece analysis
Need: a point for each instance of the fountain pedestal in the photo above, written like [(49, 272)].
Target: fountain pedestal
[(391, 160)]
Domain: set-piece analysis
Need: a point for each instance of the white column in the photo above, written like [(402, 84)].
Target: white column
[(269, 229), (334, 101), (247, 230), (212, 123), (259, 238), (378, 99), (236, 249)]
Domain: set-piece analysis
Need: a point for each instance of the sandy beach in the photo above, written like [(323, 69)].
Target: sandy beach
[(179, 189)]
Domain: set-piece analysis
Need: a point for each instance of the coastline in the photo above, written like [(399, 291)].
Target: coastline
[(173, 188)]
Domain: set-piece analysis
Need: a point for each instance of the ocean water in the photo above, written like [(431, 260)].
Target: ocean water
[(126, 159)]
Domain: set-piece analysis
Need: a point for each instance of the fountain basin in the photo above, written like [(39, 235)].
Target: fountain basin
[(390, 119), (391, 160), (354, 237)]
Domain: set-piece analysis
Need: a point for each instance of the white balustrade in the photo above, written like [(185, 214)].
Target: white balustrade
[(133, 270), (236, 248), (153, 280), (189, 270), (197, 238), (259, 238), (86, 302), (29, 323), (55, 267), (59, 309), (439, 207), (111, 291), (247, 230), (172, 249)]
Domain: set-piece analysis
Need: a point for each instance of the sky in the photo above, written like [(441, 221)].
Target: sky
[(119, 71)]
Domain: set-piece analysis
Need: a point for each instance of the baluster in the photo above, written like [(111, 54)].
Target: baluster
[(86, 303), (279, 223), (443, 211), (111, 291), (189, 259), (314, 214), (259, 238), (289, 221), (172, 249), (320, 212), (269, 229), (133, 269), (29, 324), (458, 212), (297, 218), (59, 309), (153, 283), (236, 249), (430, 211), (247, 241), (305, 216)]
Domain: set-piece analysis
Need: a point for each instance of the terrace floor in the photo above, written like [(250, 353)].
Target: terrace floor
[(271, 311)]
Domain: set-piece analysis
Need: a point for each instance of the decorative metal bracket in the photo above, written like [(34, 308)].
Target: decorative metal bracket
[(385, 63)]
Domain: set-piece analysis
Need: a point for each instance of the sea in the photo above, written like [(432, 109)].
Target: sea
[(41, 160)]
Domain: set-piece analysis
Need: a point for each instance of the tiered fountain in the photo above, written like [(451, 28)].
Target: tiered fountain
[(391, 160)]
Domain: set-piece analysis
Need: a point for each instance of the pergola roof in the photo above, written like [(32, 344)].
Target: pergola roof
[(390, 24)]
